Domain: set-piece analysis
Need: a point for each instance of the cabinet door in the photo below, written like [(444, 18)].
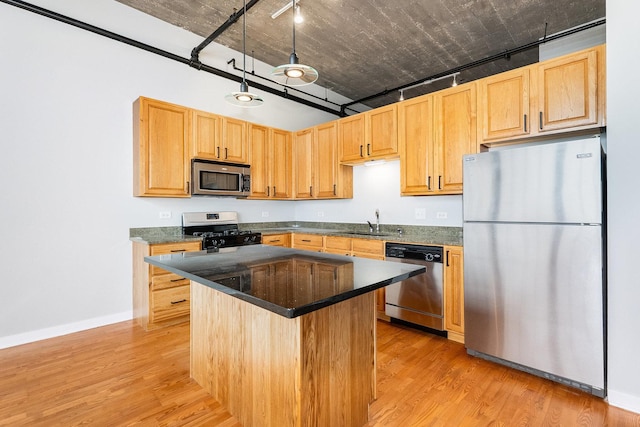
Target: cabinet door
[(235, 147), (281, 166), (309, 242), (381, 132), (283, 240), (337, 245), (351, 138), (567, 91), (504, 105), (326, 167), (455, 134), (366, 248), (415, 129), (161, 152), (454, 293), (303, 158), (207, 132), (260, 161)]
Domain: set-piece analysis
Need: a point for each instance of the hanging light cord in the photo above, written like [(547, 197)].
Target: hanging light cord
[(293, 8), (244, 41)]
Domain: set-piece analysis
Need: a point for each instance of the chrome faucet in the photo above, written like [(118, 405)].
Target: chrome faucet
[(377, 221)]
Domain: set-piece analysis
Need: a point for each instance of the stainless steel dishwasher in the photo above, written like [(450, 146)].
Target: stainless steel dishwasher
[(419, 299)]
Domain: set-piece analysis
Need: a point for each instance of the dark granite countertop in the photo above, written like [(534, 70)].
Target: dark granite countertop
[(266, 276)]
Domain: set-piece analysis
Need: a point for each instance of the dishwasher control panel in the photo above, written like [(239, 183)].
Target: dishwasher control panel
[(418, 252)]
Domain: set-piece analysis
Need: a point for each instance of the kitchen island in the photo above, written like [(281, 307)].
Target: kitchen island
[(285, 337)]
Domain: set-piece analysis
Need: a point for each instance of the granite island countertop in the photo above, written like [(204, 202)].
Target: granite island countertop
[(266, 275)]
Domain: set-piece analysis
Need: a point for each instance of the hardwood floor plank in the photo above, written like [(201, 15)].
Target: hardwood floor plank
[(121, 375)]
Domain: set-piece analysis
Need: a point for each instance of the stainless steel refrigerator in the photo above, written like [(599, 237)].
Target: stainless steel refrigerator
[(534, 259)]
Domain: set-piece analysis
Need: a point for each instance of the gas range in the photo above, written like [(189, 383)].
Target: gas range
[(217, 229)]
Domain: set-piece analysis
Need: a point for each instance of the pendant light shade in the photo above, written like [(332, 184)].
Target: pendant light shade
[(294, 73), (244, 98)]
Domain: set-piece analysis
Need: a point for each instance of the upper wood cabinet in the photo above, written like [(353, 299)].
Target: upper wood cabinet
[(503, 105), (370, 135), (161, 149), (567, 91), (271, 167), (318, 174), (219, 138), (415, 135), (554, 96), (455, 134)]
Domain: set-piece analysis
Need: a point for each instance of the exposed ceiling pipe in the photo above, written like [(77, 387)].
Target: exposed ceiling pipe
[(503, 55), (126, 40), (233, 18)]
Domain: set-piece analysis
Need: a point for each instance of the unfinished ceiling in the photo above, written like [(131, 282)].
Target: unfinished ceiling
[(364, 47)]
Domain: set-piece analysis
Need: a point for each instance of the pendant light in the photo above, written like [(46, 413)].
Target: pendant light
[(244, 98), (294, 73)]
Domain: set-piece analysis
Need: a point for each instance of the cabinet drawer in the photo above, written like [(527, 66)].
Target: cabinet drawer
[(170, 248), (165, 281), (307, 241), (368, 248), (170, 303), (277, 240)]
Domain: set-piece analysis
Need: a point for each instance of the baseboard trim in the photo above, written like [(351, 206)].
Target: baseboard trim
[(69, 328), (623, 401)]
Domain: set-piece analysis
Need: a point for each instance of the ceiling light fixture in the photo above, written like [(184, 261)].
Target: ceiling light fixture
[(299, 19), (294, 73), (244, 98)]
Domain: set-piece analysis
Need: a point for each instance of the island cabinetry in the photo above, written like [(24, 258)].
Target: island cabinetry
[(283, 239), (369, 136), (271, 163), (373, 249), (455, 134), (160, 298), (318, 175), (317, 369), (161, 149), (454, 293), (309, 242)]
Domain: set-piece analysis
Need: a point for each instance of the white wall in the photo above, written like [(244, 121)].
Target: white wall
[(623, 139)]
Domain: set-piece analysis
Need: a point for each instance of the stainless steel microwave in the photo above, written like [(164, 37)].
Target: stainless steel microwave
[(210, 178)]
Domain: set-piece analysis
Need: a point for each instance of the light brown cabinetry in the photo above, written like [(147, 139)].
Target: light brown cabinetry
[(554, 96), (435, 132), (309, 242), (160, 298), (271, 162), (318, 175), (283, 240), (454, 293), (219, 138), (234, 146), (371, 135), (161, 149)]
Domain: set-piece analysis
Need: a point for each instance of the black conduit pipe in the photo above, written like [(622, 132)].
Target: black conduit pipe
[(126, 40)]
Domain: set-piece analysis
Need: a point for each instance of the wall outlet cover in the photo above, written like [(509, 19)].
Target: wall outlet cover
[(421, 213)]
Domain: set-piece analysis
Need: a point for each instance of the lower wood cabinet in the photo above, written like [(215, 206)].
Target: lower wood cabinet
[(160, 298), (454, 293), (283, 240), (309, 242)]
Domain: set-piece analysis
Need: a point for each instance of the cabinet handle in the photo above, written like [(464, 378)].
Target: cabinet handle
[(429, 182), (368, 149), (268, 188), (447, 258), (525, 122), (218, 154), (306, 240), (274, 241), (361, 151), (274, 191), (178, 250), (311, 190), (188, 188), (178, 280), (226, 153), (334, 190), (540, 120), (178, 302), (439, 182)]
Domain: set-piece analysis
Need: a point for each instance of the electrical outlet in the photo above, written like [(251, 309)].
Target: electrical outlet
[(320, 214), (265, 214), (165, 214), (441, 215), (421, 213)]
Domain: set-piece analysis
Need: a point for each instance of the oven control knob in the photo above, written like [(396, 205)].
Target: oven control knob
[(222, 242), (428, 257)]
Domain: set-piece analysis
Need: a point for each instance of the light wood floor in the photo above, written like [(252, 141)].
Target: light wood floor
[(119, 375)]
